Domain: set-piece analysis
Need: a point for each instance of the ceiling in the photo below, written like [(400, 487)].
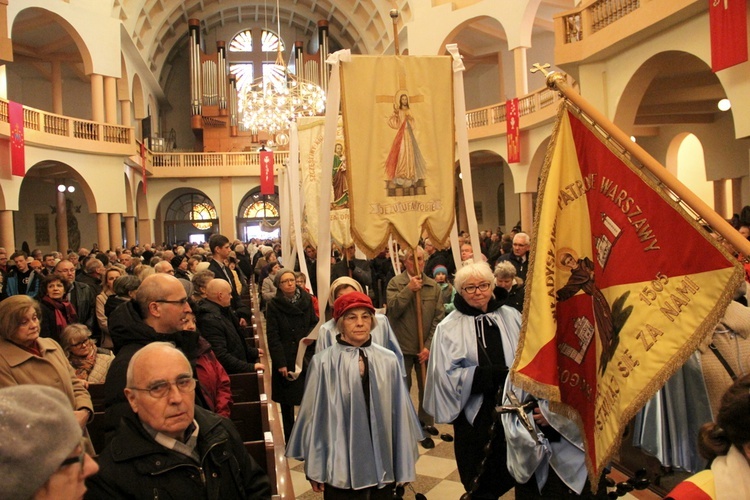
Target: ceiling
[(684, 90)]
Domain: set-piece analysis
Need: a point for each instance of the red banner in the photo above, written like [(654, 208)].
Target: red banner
[(17, 147), (513, 137), (266, 172), (728, 33), (610, 305)]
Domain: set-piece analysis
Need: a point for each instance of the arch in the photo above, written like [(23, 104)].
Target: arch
[(185, 212), (535, 166), (686, 161), (123, 83), (69, 29), (129, 206), (139, 99), (249, 223)]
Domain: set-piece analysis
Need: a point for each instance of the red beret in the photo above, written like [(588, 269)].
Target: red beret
[(351, 300)]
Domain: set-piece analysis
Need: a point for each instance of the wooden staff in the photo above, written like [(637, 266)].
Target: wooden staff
[(717, 222), (394, 18), (420, 322)]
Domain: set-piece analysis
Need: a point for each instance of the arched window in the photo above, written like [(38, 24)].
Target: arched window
[(189, 214), (242, 42), (258, 216)]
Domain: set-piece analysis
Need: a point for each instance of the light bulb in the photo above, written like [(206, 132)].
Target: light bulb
[(61, 188), (724, 104)]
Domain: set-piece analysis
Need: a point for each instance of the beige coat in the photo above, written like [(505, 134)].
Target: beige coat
[(18, 366)]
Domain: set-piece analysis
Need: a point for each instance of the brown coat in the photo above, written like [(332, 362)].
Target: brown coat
[(18, 366)]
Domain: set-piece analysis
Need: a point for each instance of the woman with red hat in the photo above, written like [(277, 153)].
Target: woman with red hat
[(356, 430)]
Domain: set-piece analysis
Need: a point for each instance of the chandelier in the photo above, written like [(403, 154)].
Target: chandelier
[(274, 100)]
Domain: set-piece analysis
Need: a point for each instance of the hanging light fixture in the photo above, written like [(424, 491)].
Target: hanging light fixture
[(274, 100)]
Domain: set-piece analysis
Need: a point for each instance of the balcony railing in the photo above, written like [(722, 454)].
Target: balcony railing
[(244, 159), (527, 105), (587, 20)]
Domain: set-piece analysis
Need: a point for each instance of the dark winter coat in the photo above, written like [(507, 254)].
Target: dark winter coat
[(135, 466), (286, 325), (220, 326)]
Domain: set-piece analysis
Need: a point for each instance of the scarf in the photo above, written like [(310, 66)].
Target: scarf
[(83, 364), (731, 475), (65, 313), (294, 298)]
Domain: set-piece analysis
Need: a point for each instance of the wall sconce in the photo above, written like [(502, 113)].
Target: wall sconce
[(62, 188)]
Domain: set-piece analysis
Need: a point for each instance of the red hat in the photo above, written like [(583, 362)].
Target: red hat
[(349, 301)]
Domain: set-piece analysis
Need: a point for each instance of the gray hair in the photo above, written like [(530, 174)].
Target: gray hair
[(474, 270), (505, 270)]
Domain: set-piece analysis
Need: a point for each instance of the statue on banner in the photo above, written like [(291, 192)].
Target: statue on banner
[(340, 197), (405, 165)]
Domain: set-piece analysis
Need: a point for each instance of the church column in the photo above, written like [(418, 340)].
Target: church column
[(97, 97), (521, 71), (102, 229), (226, 205), (144, 231), (115, 231), (7, 235), (125, 118), (527, 212), (110, 100), (130, 230), (736, 195), (57, 96), (61, 223)]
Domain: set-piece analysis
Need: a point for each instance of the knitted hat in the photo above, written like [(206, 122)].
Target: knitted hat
[(438, 270), (37, 432), (282, 271), (338, 282), (351, 301)]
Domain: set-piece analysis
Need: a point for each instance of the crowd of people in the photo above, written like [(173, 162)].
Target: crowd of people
[(162, 329)]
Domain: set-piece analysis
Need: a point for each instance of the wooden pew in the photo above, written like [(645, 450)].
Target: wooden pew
[(263, 453), (246, 387), (95, 429), (251, 419)]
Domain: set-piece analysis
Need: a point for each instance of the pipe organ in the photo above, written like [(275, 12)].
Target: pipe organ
[(215, 115)]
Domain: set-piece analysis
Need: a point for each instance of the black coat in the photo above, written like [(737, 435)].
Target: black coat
[(220, 326), (129, 333), (286, 325), (135, 466)]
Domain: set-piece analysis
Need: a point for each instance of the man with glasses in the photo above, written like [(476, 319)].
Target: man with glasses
[(402, 313), (166, 447), (81, 295), (519, 257), (156, 315), (41, 445)]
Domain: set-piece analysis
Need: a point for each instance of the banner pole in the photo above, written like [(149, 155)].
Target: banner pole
[(420, 321), (717, 222)]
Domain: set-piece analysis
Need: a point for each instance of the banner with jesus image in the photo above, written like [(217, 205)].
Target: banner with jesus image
[(398, 122)]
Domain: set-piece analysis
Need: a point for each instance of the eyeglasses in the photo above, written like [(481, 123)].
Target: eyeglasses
[(482, 287), (161, 389), (83, 342), (180, 302), (77, 459)]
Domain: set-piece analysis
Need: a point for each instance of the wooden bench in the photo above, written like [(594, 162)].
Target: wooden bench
[(263, 453), (96, 432), (251, 419), (246, 387)]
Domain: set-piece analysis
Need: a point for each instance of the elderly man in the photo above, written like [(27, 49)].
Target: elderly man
[(43, 455), (220, 326), (356, 430), (219, 265), (164, 267), (519, 257), (166, 447), (402, 313), (92, 274), (81, 295), (157, 314)]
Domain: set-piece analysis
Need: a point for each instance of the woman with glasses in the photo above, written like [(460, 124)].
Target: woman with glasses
[(90, 362), (289, 318), (28, 358), (472, 351), (57, 311), (108, 283)]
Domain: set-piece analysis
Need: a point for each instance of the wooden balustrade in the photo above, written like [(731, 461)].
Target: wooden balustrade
[(586, 20)]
